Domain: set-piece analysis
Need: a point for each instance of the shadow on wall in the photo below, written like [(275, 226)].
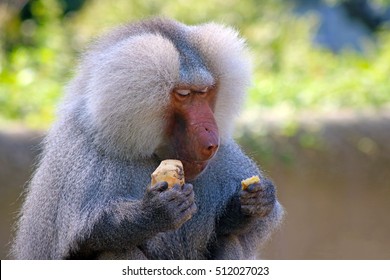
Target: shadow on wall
[(332, 175)]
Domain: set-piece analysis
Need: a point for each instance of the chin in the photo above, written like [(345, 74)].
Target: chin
[(193, 169)]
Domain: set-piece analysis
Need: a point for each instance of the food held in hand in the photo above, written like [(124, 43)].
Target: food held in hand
[(247, 182), (170, 171)]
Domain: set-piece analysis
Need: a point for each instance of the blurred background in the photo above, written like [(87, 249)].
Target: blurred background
[(317, 117)]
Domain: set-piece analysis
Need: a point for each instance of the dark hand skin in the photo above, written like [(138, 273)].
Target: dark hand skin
[(160, 210), (258, 199), (170, 208)]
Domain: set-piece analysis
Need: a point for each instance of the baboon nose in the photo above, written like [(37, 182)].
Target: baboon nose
[(207, 142), (210, 146)]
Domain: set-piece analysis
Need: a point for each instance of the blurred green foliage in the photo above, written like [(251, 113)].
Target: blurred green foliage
[(38, 56)]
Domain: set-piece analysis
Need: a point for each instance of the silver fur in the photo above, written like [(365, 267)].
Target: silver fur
[(100, 153)]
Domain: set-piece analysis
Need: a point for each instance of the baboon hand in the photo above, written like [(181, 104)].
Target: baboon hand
[(169, 208), (258, 199)]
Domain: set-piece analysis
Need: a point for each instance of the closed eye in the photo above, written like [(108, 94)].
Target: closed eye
[(204, 90), (183, 92)]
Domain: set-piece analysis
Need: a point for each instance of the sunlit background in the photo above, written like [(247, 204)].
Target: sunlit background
[(317, 117)]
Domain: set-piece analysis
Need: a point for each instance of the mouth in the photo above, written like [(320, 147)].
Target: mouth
[(193, 169)]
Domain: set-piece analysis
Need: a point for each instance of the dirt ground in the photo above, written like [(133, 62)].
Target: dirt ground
[(332, 173)]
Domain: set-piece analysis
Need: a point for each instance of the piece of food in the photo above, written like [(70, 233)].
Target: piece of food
[(247, 182), (170, 171)]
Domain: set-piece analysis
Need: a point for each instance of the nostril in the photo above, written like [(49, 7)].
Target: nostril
[(208, 142), (212, 148), (209, 151)]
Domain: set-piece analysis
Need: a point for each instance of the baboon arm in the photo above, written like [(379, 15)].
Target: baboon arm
[(244, 242), (260, 232), (120, 226), (233, 221)]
